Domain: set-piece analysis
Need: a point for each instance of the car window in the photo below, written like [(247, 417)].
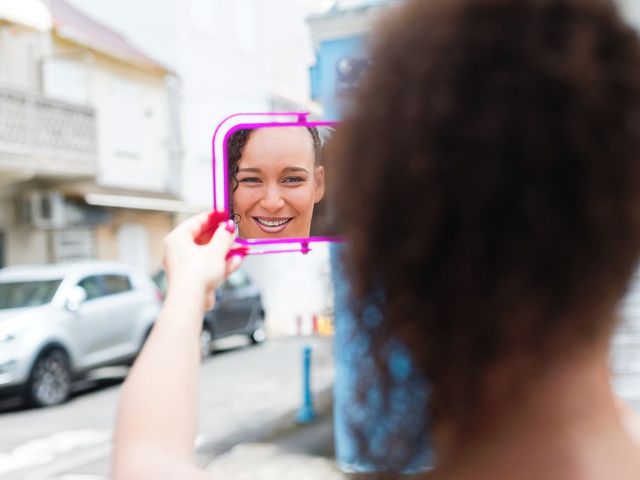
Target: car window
[(93, 286), (116, 284), (237, 279), (27, 294)]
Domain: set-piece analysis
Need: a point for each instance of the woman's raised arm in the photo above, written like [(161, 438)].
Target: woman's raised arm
[(156, 422)]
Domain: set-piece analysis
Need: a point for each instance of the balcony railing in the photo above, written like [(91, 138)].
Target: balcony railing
[(46, 136)]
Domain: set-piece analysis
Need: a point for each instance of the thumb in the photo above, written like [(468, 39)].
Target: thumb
[(222, 239)]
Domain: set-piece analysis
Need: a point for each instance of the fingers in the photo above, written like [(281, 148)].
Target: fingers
[(184, 242), (195, 225), (222, 240), (199, 228)]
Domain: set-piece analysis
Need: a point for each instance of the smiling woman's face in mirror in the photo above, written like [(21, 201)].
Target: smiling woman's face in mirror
[(275, 181)]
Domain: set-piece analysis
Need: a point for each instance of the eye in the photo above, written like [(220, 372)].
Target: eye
[(293, 180), (249, 180)]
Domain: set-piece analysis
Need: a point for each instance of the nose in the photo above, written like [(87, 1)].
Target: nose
[(272, 201)]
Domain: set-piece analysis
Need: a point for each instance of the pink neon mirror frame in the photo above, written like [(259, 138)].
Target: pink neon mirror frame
[(220, 161)]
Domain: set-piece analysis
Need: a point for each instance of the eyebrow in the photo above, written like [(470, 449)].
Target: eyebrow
[(295, 169), (286, 169)]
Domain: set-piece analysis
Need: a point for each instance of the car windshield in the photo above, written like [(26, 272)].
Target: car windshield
[(27, 294)]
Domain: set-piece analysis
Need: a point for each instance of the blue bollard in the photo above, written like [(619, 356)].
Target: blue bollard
[(306, 413)]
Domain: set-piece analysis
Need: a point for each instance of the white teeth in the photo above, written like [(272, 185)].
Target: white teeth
[(269, 223)]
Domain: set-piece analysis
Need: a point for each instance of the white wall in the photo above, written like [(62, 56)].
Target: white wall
[(20, 51), (133, 245), (294, 286), (286, 47), (132, 128), (27, 245)]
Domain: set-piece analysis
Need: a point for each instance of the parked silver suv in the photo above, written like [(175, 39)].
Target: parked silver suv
[(59, 321)]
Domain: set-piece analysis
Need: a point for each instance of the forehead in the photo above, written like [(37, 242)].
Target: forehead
[(278, 146)]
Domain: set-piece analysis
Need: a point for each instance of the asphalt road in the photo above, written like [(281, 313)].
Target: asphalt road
[(245, 392)]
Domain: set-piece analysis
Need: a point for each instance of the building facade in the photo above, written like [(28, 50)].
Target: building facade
[(96, 164), (339, 38)]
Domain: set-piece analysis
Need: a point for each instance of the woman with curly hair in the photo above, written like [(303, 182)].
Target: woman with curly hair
[(488, 183)]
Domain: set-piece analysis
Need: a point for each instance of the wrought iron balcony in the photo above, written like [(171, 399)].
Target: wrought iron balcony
[(45, 136)]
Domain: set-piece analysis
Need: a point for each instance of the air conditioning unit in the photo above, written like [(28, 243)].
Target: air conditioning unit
[(42, 209)]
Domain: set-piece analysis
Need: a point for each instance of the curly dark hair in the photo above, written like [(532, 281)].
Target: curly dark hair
[(488, 181), (235, 147)]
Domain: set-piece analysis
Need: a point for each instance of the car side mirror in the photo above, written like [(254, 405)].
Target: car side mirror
[(75, 298)]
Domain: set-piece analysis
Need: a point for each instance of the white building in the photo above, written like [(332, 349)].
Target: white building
[(91, 160)]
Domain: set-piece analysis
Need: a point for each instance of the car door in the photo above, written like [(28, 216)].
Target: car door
[(124, 307), (223, 316), (237, 292), (89, 326)]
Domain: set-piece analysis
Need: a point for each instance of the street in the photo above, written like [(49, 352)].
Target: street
[(246, 393)]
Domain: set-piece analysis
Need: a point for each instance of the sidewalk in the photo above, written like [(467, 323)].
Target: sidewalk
[(304, 452), (264, 399)]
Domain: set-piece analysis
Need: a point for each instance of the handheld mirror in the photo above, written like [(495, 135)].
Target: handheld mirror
[(269, 177)]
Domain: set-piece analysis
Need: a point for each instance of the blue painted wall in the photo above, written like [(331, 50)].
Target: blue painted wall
[(324, 75)]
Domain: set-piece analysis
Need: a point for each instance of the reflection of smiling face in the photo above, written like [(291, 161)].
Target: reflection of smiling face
[(278, 184)]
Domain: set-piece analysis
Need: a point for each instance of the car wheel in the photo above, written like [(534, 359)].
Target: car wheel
[(259, 335), (50, 380), (206, 341)]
